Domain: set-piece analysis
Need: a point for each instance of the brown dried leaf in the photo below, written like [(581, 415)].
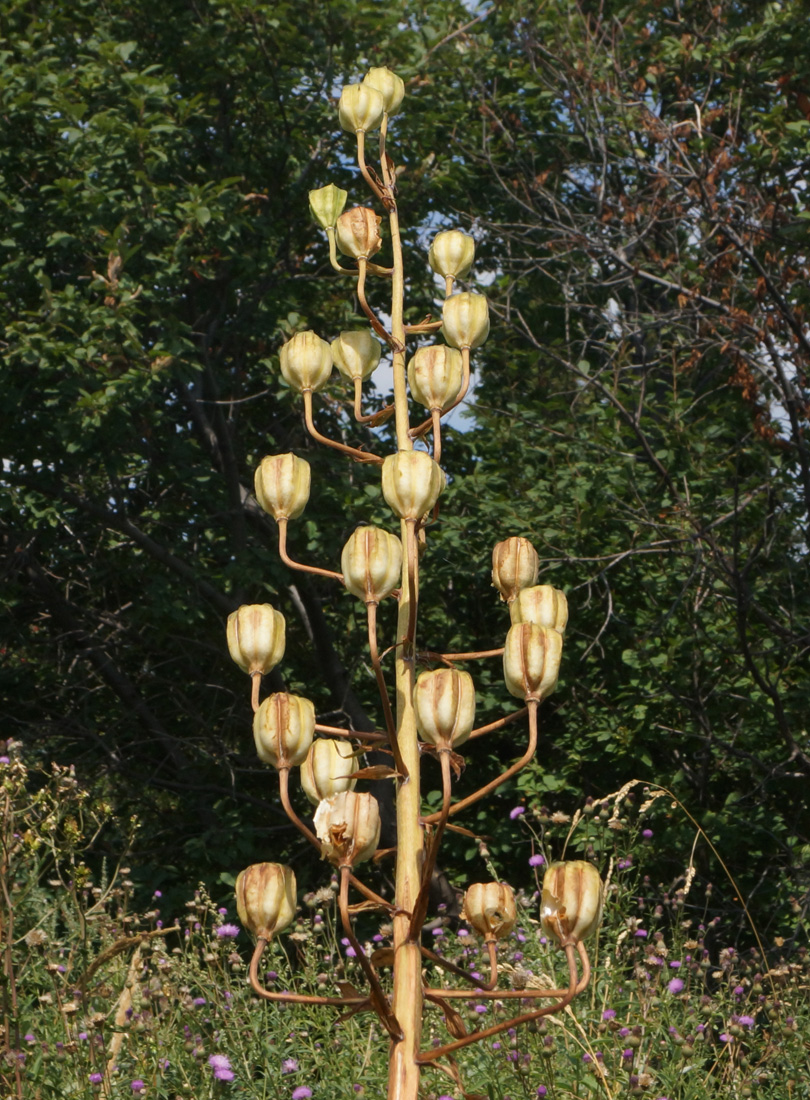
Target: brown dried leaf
[(376, 771)]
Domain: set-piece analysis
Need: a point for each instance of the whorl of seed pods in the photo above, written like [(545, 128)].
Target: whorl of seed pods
[(348, 827), (571, 902), (265, 898), (444, 705), (371, 563), (465, 320), (541, 604), (490, 909), (356, 353), (256, 637), (452, 253), (283, 728), (514, 566), (411, 483), (531, 660), (361, 107), (357, 232), (326, 204), (306, 361), (281, 483), (327, 769), (434, 375), (390, 86)]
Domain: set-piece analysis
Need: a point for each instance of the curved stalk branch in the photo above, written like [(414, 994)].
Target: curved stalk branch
[(284, 791), (333, 259), (352, 452), (390, 725), (365, 418), (445, 964), (491, 994), (255, 687), (285, 557), (474, 656), (376, 324), (482, 792), (374, 184), (424, 326), (296, 998), (498, 724), (378, 998), (336, 731), (420, 907)]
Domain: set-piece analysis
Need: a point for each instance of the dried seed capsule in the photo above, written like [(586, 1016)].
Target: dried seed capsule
[(282, 483), (306, 362), (256, 637), (283, 728), (371, 563), (571, 903), (357, 232), (531, 660), (390, 86), (444, 705), (435, 376), (361, 107), (326, 204), (514, 566), (356, 354), (411, 483), (348, 827), (541, 604), (490, 909), (465, 320), (452, 253), (265, 898), (327, 768)]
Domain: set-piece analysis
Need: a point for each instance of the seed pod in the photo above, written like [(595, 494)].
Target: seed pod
[(265, 898), (514, 566), (465, 320), (356, 354), (444, 705), (256, 637), (361, 107), (390, 86), (541, 604), (435, 376), (490, 909), (571, 903), (531, 660), (411, 483), (306, 362), (348, 827), (327, 768), (357, 232), (326, 204), (452, 253), (283, 728), (371, 563), (281, 483)]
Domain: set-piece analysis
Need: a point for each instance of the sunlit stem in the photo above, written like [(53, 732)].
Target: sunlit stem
[(352, 452), (489, 994), (448, 285), (255, 687), (476, 655), (284, 791), (296, 998), (424, 327), (333, 258), (498, 723), (486, 1033), (479, 983), (376, 324), (285, 557), (359, 415), (436, 420), (482, 792), (378, 998), (420, 909), (390, 725), (367, 176), (412, 563), (336, 731)]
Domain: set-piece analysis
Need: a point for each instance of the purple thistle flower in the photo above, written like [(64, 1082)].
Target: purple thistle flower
[(609, 1014), (675, 985), (228, 931), (516, 812), (586, 1058), (96, 1078), (198, 1002), (301, 1093), (480, 1009), (541, 1090), (221, 1066), (137, 1085), (537, 861), (725, 1038), (627, 1054), (646, 833), (745, 1021), (289, 1065)]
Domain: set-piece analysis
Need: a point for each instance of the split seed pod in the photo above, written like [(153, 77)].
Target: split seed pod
[(490, 909), (265, 898), (357, 232), (327, 768), (326, 204), (452, 253), (306, 362), (282, 483), (256, 637), (435, 376), (390, 86), (541, 604), (571, 903), (531, 660), (444, 705), (465, 320), (283, 728), (411, 483), (371, 563), (361, 107), (514, 566), (348, 827), (356, 354)]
